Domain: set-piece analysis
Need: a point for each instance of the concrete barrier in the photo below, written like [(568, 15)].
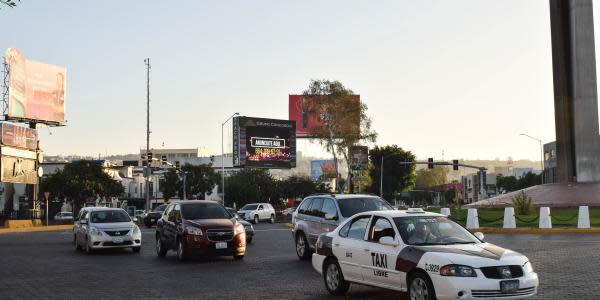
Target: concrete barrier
[(18, 224), (509, 218), (472, 218), (583, 221), (445, 211), (545, 221)]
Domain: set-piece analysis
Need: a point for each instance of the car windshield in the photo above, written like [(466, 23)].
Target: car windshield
[(160, 208), (352, 206), (432, 230), (204, 211), (109, 216), (249, 207)]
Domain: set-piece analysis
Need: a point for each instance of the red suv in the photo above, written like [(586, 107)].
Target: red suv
[(203, 228)]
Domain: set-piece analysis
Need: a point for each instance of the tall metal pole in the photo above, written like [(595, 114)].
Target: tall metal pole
[(223, 155), (381, 178), (541, 153), (148, 170)]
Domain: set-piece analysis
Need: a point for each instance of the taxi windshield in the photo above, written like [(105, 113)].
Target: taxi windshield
[(110, 216), (432, 230), (352, 206)]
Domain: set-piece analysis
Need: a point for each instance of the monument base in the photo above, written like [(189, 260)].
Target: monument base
[(551, 195)]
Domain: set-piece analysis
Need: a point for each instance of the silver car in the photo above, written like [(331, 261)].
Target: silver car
[(102, 228)]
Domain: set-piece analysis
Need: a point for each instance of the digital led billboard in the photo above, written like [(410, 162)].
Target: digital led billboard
[(264, 143), (302, 111)]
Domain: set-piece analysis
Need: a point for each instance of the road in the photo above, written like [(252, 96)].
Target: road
[(45, 265)]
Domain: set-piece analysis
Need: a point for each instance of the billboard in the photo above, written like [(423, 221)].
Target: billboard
[(36, 91), (264, 143), (18, 136), (301, 111), (360, 157), (325, 168), (18, 166)]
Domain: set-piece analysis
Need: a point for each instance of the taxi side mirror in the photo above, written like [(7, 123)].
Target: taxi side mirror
[(388, 241), (479, 235)]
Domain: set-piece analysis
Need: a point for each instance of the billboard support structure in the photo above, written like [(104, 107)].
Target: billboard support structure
[(5, 74)]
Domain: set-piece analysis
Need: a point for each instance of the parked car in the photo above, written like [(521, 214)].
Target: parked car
[(247, 226), (424, 254), (150, 218), (199, 227), (257, 212), (64, 216), (102, 227), (323, 213)]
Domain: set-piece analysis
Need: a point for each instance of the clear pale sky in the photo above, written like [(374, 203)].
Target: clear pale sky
[(465, 77)]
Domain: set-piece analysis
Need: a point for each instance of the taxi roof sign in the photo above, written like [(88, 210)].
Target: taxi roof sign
[(415, 210)]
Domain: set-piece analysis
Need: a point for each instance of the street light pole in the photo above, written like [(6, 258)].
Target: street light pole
[(541, 153), (223, 155)]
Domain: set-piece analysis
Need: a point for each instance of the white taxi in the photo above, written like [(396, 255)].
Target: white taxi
[(422, 253)]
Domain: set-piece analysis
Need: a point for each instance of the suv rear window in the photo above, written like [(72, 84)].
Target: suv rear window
[(352, 206)]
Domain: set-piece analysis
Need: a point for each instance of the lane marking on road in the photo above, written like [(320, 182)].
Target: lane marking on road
[(277, 229)]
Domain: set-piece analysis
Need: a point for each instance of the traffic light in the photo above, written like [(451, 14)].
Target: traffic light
[(177, 164), (149, 155), (163, 159), (455, 165), (430, 163)]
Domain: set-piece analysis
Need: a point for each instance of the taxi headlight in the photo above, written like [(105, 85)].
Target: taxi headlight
[(528, 267), (193, 230), (457, 271)]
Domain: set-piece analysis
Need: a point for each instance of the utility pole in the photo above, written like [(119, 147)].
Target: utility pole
[(148, 170)]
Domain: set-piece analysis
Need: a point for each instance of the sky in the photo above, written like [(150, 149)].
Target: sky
[(460, 77)]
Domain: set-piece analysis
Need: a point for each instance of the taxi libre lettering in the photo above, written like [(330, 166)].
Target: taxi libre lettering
[(379, 260)]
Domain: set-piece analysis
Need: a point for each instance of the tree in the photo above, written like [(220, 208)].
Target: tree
[(199, 180), (427, 178), (249, 186), (508, 184), (170, 185), (528, 180), (300, 187), (80, 181), (397, 177), (343, 120)]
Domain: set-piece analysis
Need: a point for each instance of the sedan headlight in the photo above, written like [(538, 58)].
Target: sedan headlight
[(193, 230), (457, 271), (95, 231), (239, 228), (528, 267)]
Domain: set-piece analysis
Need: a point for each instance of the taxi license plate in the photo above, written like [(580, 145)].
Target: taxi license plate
[(117, 240), (509, 286), (221, 245)]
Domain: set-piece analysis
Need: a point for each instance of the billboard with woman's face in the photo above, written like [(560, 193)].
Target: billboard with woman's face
[(36, 90)]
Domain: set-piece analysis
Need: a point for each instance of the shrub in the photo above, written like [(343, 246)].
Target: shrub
[(522, 203)]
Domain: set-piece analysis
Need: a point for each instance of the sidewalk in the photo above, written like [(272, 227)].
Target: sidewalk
[(36, 229)]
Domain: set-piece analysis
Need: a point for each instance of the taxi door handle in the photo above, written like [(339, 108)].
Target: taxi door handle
[(336, 244)]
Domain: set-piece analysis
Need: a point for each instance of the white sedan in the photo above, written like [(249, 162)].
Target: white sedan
[(422, 253)]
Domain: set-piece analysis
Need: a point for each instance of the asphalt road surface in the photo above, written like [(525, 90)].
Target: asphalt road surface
[(45, 265)]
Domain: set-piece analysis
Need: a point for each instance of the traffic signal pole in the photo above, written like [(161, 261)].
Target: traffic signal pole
[(147, 170)]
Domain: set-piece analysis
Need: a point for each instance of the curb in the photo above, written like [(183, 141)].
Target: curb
[(489, 230), (36, 229), (289, 225)]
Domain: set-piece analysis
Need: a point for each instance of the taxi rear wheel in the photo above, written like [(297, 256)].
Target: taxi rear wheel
[(420, 287), (334, 279), (302, 249)]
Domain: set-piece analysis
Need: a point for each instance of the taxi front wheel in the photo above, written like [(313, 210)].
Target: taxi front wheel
[(420, 287), (334, 279)]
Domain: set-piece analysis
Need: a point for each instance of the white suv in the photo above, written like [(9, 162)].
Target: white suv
[(256, 212)]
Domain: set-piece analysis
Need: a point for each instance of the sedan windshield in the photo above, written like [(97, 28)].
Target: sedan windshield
[(352, 206), (432, 231), (204, 211), (160, 208), (109, 216), (249, 207)]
